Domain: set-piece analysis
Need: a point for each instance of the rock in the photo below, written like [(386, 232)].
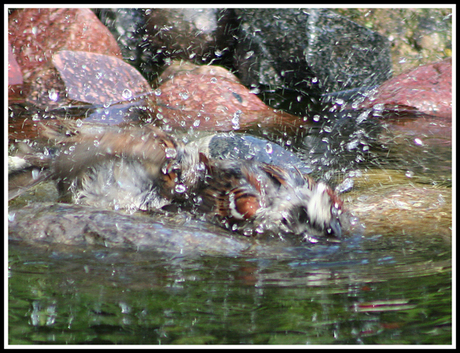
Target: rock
[(128, 27), (14, 77), (310, 50), (198, 35), (37, 34), (211, 98), (426, 89), (247, 147), (418, 36), (80, 225)]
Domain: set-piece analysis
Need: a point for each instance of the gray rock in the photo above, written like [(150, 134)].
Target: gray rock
[(310, 50)]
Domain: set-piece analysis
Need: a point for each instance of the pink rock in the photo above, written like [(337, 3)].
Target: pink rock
[(211, 98), (14, 71), (14, 77), (426, 89), (99, 79), (36, 34)]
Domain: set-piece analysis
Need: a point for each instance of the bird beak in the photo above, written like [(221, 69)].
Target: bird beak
[(335, 228)]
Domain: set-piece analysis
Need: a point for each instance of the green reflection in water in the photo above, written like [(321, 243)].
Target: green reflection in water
[(375, 291)]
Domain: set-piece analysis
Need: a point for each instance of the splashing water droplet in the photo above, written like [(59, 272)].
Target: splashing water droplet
[(236, 120), (183, 95), (127, 94), (35, 174), (269, 148), (53, 95), (248, 54), (180, 188)]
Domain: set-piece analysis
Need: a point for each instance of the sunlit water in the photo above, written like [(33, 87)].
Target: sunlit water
[(390, 283), (375, 290)]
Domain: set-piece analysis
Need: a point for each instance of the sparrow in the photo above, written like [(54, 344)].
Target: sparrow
[(143, 168)]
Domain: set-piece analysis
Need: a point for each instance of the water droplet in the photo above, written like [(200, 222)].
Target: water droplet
[(409, 174), (35, 174), (196, 123), (127, 94), (79, 122), (11, 216), (269, 148), (157, 92), (180, 188), (34, 30), (316, 118), (183, 95), (53, 95), (35, 117), (236, 120), (96, 143), (83, 66), (249, 54), (352, 145), (418, 142), (213, 80)]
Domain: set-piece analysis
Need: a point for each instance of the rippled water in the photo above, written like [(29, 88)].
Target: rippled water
[(390, 284), (374, 290)]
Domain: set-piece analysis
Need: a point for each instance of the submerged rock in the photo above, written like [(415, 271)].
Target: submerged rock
[(80, 225)]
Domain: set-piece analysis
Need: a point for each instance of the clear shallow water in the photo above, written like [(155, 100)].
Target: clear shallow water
[(380, 290)]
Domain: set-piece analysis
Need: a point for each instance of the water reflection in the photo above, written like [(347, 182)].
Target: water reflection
[(364, 291)]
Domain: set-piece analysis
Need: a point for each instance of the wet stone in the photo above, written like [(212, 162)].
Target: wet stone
[(212, 98), (198, 35), (36, 35), (80, 225), (426, 89), (310, 50)]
